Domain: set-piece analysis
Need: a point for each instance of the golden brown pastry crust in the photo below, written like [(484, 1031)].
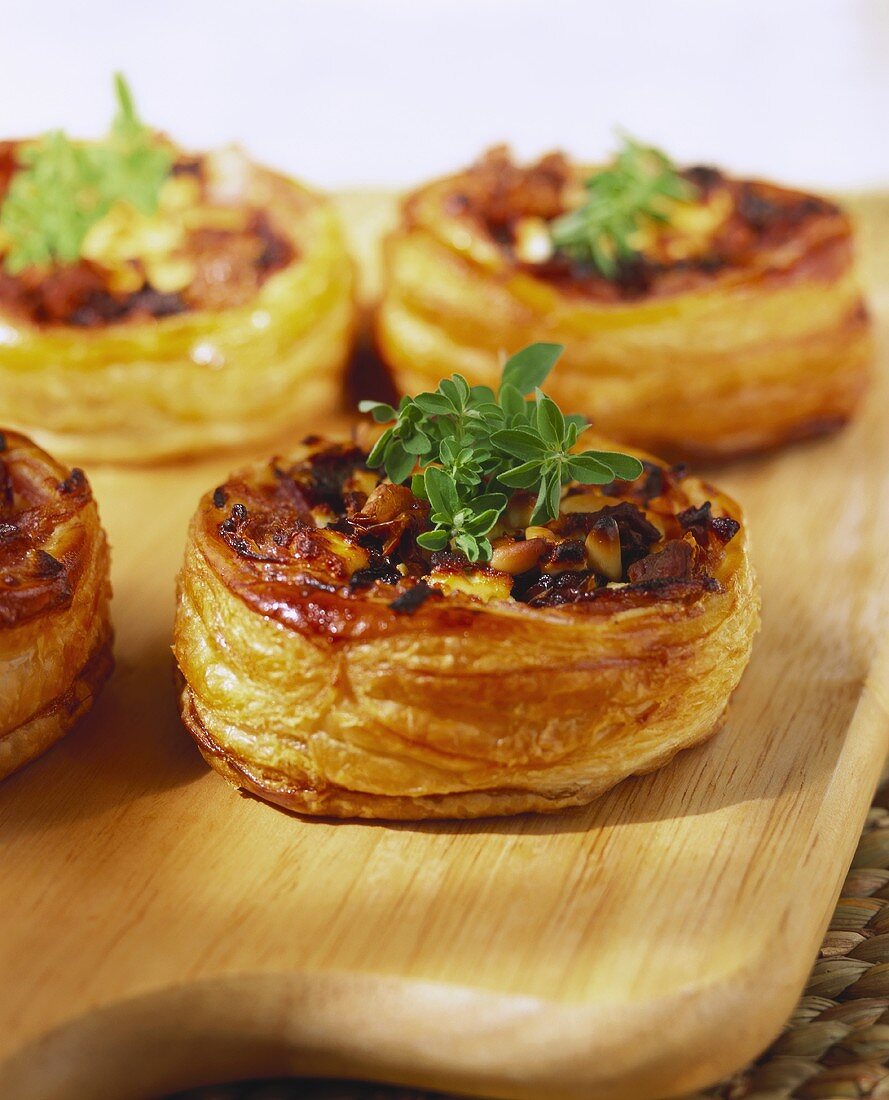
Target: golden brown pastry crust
[(160, 387), (55, 630), (314, 692), (761, 340)]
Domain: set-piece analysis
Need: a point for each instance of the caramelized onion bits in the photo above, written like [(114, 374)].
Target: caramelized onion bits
[(328, 519), (677, 559), (55, 633), (498, 193), (344, 670)]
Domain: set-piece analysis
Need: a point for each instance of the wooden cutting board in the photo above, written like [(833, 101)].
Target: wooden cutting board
[(159, 931)]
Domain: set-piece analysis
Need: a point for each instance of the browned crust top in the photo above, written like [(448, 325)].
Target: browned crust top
[(41, 554), (320, 544), (769, 230)]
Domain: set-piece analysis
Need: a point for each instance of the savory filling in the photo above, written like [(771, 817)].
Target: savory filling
[(32, 506), (639, 227), (330, 521), (128, 228), (474, 493)]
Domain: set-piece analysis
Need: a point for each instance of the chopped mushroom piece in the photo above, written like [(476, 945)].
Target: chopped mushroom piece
[(388, 512), (679, 559)]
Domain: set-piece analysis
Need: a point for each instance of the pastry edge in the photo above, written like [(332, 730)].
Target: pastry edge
[(33, 737), (339, 802)]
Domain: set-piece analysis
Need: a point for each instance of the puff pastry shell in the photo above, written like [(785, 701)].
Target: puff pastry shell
[(331, 687), (764, 342), (55, 631), (148, 389)]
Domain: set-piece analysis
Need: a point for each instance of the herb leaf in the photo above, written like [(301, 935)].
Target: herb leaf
[(520, 442), (433, 540), (399, 463), (529, 368), (49, 206), (636, 188), (64, 187), (469, 447), (550, 422), (624, 467), (513, 403), (379, 410), (525, 476), (441, 490), (589, 470)]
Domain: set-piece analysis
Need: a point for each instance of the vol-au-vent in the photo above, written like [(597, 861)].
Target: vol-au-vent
[(703, 315), (486, 611), (156, 302), (55, 630)]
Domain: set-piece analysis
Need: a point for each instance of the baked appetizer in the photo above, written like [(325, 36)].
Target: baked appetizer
[(472, 618), (702, 315), (155, 302), (55, 633)]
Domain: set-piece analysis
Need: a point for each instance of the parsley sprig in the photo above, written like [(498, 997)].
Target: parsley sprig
[(63, 187), (474, 448), (620, 200)]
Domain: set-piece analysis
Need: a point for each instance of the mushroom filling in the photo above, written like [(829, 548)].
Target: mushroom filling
[(728, 225), (330, 521)]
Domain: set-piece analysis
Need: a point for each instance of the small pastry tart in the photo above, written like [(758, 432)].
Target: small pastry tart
[(332, 665), (55, 631), (703, 315), (206, 303)]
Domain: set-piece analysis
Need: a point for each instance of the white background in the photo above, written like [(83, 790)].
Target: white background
[(347, 92)]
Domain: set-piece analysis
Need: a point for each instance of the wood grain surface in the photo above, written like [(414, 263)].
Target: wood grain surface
[(160, 931)]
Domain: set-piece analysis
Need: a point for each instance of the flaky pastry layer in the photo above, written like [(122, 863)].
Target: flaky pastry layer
[(55, 629), (333, 699)]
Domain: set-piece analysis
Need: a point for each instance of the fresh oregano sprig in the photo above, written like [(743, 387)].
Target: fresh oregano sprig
[(63, 187), (474, 448), (465, 523), (620, 199)]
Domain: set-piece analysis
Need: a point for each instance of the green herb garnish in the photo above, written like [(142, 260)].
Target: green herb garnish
[(135, 166), (64, 187), (620, 200), (475, 448)]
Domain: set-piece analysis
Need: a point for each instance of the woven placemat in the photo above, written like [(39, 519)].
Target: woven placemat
[(835, 1045)]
